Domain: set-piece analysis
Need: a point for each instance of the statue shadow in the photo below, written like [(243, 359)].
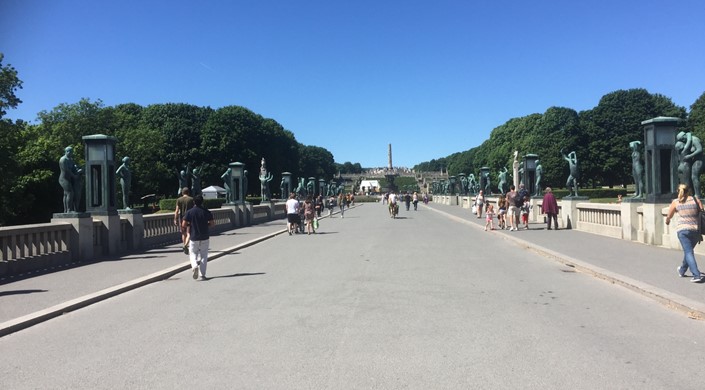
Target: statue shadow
[(20, 292)]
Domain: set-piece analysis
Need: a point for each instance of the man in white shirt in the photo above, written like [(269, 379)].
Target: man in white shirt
[(292, 212)]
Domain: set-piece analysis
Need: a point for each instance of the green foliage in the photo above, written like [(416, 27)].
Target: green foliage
[(600, 137), (315, 161), (160, 139), (167, 204), (211, 203), (349, 168), (9, 84)]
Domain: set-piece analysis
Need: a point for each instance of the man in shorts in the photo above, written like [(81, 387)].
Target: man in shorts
[(292, 213), (183, 204)]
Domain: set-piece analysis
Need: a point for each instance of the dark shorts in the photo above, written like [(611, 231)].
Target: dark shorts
[(293, 218)]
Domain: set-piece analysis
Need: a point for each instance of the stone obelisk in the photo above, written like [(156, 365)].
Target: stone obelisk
[(390, 157), (391, 175)]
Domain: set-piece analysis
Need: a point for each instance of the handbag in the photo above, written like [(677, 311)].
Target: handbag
[(474, 209), (315, 223)]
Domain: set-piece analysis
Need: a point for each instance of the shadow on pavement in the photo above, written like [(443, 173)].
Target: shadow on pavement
[(237, 275), (20, 292)]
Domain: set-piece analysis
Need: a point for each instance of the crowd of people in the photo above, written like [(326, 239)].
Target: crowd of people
[(511, 211)]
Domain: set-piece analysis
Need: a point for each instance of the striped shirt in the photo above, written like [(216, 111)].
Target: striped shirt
[(687, 215)]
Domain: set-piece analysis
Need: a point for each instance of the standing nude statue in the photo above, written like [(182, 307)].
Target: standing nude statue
[(637, 169), (70, 181), (123, 172), (572, 181)]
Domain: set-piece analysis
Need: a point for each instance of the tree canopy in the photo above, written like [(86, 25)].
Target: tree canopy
[(600, 137)]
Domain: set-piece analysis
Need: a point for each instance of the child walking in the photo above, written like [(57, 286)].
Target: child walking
[(490, 217), (525, 212)]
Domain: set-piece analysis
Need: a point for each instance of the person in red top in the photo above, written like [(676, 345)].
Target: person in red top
[(550, 208)]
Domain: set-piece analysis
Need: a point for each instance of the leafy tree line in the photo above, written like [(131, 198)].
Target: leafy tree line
[(600, 136), (160, 139)]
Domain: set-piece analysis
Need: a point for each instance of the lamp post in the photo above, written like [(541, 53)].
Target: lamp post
[(660, 158), (237, 174)]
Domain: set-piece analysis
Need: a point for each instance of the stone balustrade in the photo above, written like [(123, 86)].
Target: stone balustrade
[(28, 248), (635, 221)]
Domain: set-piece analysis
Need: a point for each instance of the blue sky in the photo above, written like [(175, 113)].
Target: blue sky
[(430, 77)]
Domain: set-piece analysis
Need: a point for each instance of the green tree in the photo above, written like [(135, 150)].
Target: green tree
[(696, 117), (10, 141), (614, 123), (44, 144), (315, 161), (9, 84)]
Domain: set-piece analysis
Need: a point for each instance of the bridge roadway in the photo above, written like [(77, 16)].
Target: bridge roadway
[(429, 300)]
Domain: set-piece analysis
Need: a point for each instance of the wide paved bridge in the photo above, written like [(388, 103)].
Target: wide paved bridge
[(426, 301)]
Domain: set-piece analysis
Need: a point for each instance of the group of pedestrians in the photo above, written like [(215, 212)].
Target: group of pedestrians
[(194, 220), (685, 205), (512, 210), (302, 216)]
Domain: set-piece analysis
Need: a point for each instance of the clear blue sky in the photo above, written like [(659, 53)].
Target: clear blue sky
[(430, 77)]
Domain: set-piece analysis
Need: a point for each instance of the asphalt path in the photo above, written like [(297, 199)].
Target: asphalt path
[(369, 302)]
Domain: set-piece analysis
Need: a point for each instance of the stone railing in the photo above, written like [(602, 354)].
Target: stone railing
[(28, 248), (634, 221), (603, 219)]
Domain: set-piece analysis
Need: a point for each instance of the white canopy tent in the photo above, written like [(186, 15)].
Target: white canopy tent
[(213, 192)]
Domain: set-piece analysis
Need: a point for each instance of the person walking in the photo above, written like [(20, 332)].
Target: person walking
[(292, 213), (479, 203), (688, 209), (502, 212), (309, 214), (407, 200), (331, 205), (341, 204), (319, 205), (183, 204), (525, 209), (513, 202), (415, 200), (549, 206), (490, 217), (198, 220)]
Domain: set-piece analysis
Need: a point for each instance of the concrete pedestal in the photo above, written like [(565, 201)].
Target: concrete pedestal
[(135, 228), (110, 232), (535, 212), (654, 222), (235, 215), (247, 213), (630, 218), (569, 210), (81, 240)]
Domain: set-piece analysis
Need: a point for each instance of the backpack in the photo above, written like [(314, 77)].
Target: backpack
[(519, 200)]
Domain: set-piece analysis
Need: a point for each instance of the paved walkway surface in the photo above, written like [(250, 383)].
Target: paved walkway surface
[(645, 269)]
